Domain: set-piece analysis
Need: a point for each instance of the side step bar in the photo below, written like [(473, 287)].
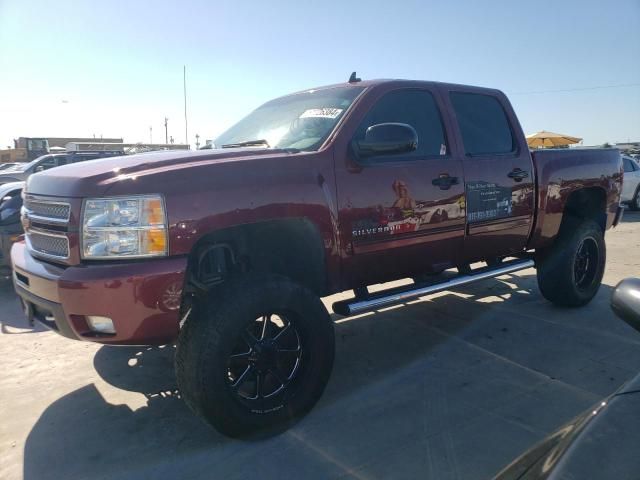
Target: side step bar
[(389, 297)]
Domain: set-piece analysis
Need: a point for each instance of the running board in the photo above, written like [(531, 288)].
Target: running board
[(389, 297)]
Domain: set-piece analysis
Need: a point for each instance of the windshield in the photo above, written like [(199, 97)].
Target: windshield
[(302, 121), (26, 166)]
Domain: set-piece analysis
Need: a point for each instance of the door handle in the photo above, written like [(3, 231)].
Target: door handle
[(518, 174), (444, 181)]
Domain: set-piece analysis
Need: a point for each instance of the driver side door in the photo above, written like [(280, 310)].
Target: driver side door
[(401, 214)]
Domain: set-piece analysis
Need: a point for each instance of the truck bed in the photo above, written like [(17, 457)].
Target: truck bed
[(560, 172)]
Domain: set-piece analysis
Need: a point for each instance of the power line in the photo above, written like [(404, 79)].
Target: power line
[(582, 89)]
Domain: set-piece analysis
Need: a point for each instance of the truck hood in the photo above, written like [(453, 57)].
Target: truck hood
[(96, 177)]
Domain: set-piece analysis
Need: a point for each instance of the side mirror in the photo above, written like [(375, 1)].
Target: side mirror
[(39, 168), (625, 301), (387, 139), (10, 210)]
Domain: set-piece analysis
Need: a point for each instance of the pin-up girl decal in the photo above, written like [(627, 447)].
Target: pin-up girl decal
[(403, 200)]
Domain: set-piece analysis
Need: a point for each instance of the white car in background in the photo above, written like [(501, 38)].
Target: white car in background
[(631, 183), (8, 166)]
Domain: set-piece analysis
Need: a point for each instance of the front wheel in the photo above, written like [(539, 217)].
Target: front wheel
[(255, 355), (570, 272)]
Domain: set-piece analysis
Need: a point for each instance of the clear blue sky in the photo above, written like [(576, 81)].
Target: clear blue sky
[(70, 68)]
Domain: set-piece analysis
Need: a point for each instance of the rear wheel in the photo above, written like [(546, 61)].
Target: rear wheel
[(255, 355), (570, 272)]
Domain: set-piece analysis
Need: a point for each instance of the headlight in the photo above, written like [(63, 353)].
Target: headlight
[(119, 227)]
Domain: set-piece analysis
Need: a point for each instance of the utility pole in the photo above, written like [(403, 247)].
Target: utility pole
[(184, 85), (197, 141), (166, 135), (150, 134)]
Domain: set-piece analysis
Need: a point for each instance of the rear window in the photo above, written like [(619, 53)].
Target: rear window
[(483, 124)]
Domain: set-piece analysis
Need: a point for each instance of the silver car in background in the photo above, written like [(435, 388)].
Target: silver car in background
[(631, 183)]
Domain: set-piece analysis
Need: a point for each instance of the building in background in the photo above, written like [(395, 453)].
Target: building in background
[(21, 142), (28, 148)]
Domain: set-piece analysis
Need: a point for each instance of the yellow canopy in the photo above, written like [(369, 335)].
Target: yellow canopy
[(550, 139)]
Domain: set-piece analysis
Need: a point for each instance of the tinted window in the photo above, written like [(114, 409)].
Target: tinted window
[(47, 163), (82, 158), (628, 165), (416, 108), (483, 124)]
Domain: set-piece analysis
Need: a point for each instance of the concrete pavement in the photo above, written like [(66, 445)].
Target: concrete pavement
[(453, 386)]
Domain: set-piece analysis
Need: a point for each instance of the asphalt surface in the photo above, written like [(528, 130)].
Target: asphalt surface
[(453, 386)]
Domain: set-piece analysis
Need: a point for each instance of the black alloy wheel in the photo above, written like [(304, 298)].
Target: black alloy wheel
[(585, 265), (255, 354), (265, 361)]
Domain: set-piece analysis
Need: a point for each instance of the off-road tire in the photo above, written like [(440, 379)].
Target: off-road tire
[(558, 265), (205, 346), (634, 204)]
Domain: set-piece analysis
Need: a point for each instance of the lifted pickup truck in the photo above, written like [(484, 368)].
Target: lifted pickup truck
[(228, 251)]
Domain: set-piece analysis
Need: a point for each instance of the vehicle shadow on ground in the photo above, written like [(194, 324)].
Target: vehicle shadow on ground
[(82, 435), (13, 321)]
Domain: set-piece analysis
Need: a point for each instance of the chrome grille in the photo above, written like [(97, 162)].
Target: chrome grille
[(43, 220), (48, 244), (55, 212)]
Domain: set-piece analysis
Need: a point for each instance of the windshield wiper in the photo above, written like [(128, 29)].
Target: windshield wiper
[(248, 143)]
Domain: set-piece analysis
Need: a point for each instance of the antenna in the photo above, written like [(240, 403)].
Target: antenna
[(353, 78)]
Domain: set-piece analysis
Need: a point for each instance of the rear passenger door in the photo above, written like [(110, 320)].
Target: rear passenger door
[(499, 177)]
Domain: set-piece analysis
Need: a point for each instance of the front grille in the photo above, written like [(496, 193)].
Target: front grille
[(54, 211), (47, 244), (46, 223)]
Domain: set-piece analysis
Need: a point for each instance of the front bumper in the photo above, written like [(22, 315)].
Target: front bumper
[(141, 298)]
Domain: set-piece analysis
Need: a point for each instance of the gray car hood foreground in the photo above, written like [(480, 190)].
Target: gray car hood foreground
[(603, 443)]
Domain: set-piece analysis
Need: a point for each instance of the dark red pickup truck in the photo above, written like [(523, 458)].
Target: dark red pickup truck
[(229, 250)]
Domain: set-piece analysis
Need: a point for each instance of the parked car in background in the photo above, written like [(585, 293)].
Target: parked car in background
[(601, 443), (631, 183), (10, 226), (11, 198), (21, 172), (8, 166)]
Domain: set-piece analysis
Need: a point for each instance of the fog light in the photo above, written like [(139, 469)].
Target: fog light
[(100, 324)]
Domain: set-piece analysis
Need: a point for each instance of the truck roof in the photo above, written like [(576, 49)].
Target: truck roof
[(399, 82)]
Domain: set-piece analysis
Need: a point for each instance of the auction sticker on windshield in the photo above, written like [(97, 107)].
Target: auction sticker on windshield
[(321, 113)]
